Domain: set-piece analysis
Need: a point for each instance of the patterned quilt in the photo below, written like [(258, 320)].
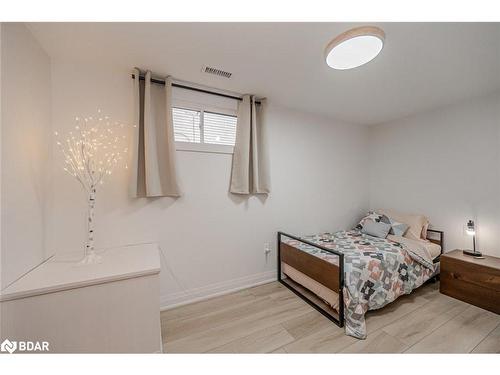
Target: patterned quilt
[(377, 271)]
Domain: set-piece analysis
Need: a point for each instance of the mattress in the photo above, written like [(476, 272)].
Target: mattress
[(328, 295)]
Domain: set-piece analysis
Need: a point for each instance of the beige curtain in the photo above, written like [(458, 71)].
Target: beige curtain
[(153, 167), (250, 172)]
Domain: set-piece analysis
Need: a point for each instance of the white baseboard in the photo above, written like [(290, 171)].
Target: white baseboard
[(213, 290)]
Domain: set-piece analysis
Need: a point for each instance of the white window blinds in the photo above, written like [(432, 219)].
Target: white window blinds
[(219, 129), (187, 125), (204, 127)]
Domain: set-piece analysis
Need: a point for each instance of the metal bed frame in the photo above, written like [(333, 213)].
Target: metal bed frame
[(439, 242), (338, 321)]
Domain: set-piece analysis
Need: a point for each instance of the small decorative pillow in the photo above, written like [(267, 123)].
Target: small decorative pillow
[(397, 228), (372, 216), (376, 229)]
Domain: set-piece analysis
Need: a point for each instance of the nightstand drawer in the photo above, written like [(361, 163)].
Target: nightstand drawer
[(476, 281)]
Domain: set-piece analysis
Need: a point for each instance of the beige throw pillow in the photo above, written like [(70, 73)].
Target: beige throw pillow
[(416, 223)]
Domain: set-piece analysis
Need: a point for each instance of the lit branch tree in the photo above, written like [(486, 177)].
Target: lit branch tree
[(91, 152)]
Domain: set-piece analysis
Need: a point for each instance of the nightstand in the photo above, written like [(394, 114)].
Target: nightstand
[(472, 280)]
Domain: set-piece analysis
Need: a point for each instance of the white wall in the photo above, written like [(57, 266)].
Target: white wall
[(211, 241), (1, 308), (24, 151), (445, 164)]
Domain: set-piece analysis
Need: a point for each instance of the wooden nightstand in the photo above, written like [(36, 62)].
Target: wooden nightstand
[(472, 280)]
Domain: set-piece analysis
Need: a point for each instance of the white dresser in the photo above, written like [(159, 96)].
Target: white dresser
[(110, 307)]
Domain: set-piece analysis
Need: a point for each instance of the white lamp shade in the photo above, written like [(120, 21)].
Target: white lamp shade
[(470, 228)]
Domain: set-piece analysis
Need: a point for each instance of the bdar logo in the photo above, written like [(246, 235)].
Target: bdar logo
[(24, 346), (8, 346)]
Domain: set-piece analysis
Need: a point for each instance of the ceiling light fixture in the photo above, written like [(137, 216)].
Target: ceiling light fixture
[(354, 47)]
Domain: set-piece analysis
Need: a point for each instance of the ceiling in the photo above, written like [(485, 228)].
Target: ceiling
[(422, 65)]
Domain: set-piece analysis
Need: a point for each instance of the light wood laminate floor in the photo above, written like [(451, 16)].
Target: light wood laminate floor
[(271, 319)]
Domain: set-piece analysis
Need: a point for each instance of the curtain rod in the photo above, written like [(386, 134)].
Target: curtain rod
[(161, 82)]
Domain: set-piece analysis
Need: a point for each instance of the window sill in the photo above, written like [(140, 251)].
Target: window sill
[(204, 147)]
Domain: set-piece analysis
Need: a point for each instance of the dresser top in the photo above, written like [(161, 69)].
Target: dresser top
[(63, 272), (488, 261)]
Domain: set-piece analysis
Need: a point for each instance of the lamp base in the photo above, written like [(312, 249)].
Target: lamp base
[(472, 253)]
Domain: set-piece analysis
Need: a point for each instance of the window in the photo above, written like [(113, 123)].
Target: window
[(200, 130), (187, 125), (219, 129)]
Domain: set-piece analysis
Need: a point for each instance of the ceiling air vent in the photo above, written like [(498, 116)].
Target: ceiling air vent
[(216, 72)]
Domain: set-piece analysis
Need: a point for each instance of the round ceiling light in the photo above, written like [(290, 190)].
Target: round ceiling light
[(354, 47)]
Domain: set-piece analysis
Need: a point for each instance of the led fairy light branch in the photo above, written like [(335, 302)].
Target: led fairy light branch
[(91, 152)]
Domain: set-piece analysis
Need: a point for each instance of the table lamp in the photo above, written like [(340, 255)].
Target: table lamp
[(471, 231)]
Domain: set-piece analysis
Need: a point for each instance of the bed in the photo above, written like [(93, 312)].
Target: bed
[(347, 273)]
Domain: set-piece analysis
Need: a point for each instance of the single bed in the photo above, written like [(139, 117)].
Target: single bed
[(347, 273)]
